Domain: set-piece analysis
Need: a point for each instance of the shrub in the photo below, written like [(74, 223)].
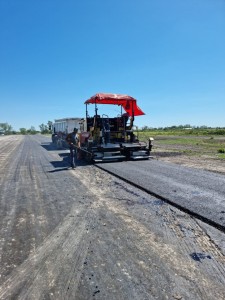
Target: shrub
[(221, 150)]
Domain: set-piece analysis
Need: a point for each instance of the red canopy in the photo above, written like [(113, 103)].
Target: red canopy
[(128, 103)]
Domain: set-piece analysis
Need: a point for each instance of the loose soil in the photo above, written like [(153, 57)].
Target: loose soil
[(195, 152)]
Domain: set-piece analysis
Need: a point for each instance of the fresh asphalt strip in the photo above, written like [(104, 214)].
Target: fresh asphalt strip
[(201, 194)]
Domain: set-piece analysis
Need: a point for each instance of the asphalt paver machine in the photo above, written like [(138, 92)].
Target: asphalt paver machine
[(105, 138)]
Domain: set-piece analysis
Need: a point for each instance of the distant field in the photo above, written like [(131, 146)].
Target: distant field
[(212, 145), (186, 132)]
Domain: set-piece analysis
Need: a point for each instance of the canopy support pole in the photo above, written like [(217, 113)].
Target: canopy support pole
[(86, 112), (96, 109)]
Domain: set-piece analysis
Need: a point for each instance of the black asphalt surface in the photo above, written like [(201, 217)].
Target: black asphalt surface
[(198, 191)]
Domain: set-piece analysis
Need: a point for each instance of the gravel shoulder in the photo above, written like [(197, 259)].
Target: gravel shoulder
[(204, 162), (84, 234)]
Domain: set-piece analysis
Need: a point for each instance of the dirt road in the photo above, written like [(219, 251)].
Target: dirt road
[(84, 234)]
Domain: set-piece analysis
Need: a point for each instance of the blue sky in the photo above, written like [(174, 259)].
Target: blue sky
[(169, 55)]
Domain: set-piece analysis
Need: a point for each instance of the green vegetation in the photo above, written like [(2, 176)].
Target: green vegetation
[(46, 128), (199, 141), (6, 129), (221, 150), (184, 130)]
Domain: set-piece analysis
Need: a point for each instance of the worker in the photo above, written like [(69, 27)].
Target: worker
[(74, 142)]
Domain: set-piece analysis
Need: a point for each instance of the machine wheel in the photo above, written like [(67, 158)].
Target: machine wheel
[(88, 158)]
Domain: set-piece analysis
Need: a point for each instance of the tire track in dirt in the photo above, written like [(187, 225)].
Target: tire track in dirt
[(54, 238), (43, 268), (9, 149)]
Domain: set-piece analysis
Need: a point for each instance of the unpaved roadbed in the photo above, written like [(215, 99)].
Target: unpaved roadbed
[(85, 234)]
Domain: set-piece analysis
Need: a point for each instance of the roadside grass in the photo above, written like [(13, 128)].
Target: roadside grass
[(183, 132), (212, 146), (174, 141)]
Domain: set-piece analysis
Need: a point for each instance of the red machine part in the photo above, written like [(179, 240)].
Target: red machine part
[(128, 103)]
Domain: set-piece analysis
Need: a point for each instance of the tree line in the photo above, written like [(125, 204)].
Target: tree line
[(179, 127), (186, 129), (7, 129)]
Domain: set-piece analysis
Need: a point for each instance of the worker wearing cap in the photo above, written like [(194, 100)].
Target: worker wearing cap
[(73, 141)]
